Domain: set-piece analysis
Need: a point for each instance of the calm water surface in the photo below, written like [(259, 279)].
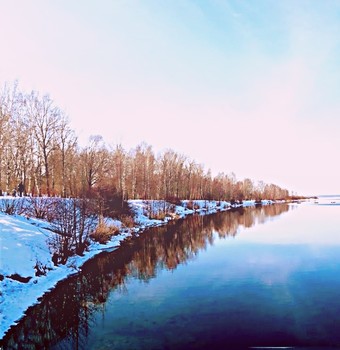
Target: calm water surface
[(256, 277)]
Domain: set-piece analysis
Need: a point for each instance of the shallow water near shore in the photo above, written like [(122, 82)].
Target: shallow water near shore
[(253, 277)]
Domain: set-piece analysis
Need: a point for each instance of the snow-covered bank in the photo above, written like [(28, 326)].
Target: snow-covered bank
[(24, 250)]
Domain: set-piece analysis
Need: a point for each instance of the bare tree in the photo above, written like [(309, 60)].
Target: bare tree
[(119, 163), (94, 161), (141, 170), (45, 121), (248, 188), (67, 144), (73, 222)]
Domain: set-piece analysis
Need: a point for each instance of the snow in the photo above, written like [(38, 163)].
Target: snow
[(24, 244)]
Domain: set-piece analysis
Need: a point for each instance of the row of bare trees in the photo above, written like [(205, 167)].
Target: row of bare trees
[(37, 146), (39, 149)]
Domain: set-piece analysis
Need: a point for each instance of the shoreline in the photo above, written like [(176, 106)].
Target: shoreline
[(16, 297)]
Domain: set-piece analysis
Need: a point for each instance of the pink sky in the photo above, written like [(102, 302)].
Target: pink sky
[(243, 89)]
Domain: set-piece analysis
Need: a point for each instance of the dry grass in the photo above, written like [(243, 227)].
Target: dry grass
[(160, 215), (127, 221), (104, 232)]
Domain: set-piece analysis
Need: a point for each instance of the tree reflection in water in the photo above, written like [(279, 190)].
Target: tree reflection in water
[(65, 313)]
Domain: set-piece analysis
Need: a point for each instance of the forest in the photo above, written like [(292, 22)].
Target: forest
[(39, 149)]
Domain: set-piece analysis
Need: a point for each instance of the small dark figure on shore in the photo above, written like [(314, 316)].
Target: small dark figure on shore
[(14, 193), (21, 188)]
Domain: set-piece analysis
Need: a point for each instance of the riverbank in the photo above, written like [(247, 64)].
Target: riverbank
[(24, 250)]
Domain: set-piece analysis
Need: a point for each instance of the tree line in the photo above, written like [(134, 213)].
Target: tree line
[(39, 149)]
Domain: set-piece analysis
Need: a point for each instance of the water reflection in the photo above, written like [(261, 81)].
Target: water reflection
[(64, 317)]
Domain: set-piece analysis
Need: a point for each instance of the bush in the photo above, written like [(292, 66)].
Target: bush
[(8, 206), (158, 210), (73, 222), (190, 205), (12, 206), (174, 200), (160, 215), (40, 269), (104, 232), (41, 207), (127, 220), (110, 203)]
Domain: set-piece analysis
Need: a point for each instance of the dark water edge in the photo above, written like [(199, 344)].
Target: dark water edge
[(66, 316)]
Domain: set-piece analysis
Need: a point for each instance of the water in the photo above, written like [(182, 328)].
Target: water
[(255, 277)]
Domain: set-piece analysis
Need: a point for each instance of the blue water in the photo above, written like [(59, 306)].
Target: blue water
[(244, 279)]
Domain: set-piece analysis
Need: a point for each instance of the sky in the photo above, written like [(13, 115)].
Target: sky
[(250, 87)]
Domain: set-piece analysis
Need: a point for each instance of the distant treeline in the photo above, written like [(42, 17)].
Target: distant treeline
[(39, 149)]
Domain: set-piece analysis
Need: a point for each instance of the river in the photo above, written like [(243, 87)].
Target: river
[(267, 276)]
